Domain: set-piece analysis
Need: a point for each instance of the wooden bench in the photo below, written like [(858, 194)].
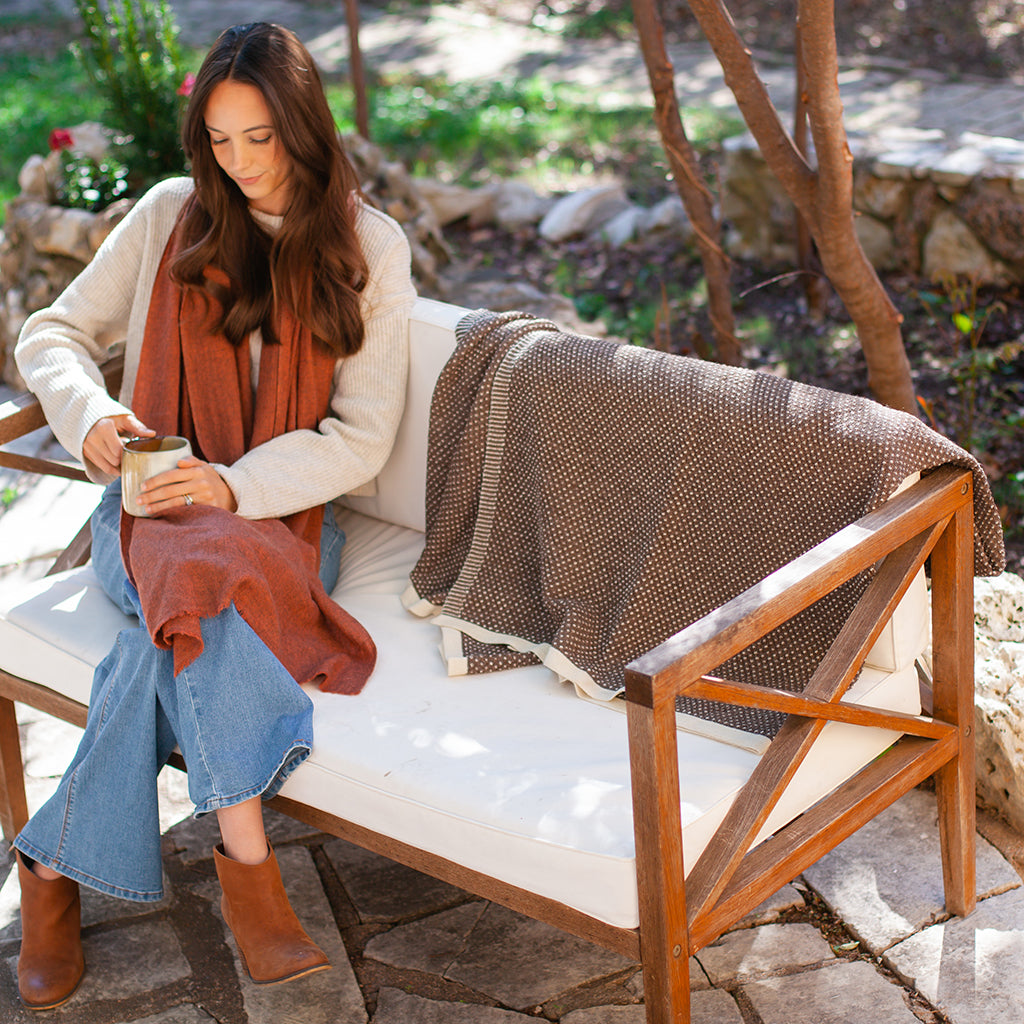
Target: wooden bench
[(561, 809)]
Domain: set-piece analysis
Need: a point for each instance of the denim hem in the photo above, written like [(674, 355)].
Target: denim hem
[(293, 757), (56, 864)]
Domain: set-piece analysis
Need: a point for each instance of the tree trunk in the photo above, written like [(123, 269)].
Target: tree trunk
[(815, 285), (355, 63), (823, 196), (686, 171)]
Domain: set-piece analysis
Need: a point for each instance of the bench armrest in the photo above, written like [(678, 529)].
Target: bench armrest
[(932, 520), (23, 414)]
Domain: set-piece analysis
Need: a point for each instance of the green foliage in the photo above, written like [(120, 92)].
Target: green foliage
[(643, 311), (957, 312), (89, 185), (586, 19), (1008, 492), (8, 495), (532, 129), (39, 95), (132, 55), (983, 378)]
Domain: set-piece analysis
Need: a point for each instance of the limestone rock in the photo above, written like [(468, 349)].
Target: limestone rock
[(880, 197), (999, 694), (453, 202), (622, 228), (92, 139), (517, 205), (999, 607), (755, 207), (583, 212), (390, 187), (876, 241), (909, 161), (32, 179), (960, 167), (65, 233), (950, 248), (944, 208), (997, 216), (667, 216)]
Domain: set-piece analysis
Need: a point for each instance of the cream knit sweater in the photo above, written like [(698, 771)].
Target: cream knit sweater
[(106, 306)]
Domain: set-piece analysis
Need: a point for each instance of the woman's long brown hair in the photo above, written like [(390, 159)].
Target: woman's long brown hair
[(313, 266)]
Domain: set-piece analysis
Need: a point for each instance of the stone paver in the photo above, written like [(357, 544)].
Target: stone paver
[(518, 961), (187, 1014), (429, 945), (699, 981), (847, 992), (382, 890), (193, 839), (611, 1014), (96, 907), (787, 898), (395, 1007), (524, 962), (970, 968), (866, 880), (113, 957), (740, 956), (709, 1007)]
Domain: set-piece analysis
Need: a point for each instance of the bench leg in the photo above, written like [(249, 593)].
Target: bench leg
[(664, 939), (953, 678), (13, 805)]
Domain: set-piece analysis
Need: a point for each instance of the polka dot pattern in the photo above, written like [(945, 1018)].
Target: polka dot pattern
[(586, 500)]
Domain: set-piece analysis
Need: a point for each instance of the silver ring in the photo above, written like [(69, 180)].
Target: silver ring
[(188, 499)]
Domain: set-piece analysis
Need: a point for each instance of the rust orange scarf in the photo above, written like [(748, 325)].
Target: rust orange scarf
[(194, 562)]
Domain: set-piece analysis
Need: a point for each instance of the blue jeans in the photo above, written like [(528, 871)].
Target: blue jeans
[(241, 721)]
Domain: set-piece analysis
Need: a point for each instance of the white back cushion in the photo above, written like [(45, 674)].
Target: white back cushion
[(402, 482)]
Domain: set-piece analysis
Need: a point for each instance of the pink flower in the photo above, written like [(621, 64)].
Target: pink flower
[(185, 89), (60, 138)]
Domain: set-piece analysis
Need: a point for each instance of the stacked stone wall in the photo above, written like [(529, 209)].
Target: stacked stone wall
[(925, 206)]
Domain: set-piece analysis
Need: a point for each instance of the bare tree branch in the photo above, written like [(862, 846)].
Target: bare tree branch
[(823, 196), (696, 197)]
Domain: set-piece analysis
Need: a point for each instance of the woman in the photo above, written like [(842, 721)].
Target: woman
[(264, 312)]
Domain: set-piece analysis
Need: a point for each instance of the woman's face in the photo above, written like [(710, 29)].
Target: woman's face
[(247, 147)]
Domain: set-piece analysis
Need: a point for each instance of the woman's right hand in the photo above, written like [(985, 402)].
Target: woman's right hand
[(102, 445)]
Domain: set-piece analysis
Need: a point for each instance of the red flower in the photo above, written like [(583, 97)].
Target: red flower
[(185, 89), (60, 138)]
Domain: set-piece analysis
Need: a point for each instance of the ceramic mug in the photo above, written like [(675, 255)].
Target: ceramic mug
[(144, 457)]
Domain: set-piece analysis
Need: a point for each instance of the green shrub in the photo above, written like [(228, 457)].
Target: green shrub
[(92, 185), (38, 95), (132, 55)]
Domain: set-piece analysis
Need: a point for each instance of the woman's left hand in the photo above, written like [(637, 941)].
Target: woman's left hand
[(194, 482)]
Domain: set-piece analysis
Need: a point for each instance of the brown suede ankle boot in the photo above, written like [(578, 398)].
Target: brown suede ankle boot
[(273, 944), (51, 963)]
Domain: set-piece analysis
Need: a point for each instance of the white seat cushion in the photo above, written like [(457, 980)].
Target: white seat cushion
[(509, 774)]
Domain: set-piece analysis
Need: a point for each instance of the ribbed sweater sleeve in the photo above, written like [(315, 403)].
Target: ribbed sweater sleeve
[(106, 306)]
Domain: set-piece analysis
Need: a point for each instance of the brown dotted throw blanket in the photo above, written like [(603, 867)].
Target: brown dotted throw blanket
[(586, 500)]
